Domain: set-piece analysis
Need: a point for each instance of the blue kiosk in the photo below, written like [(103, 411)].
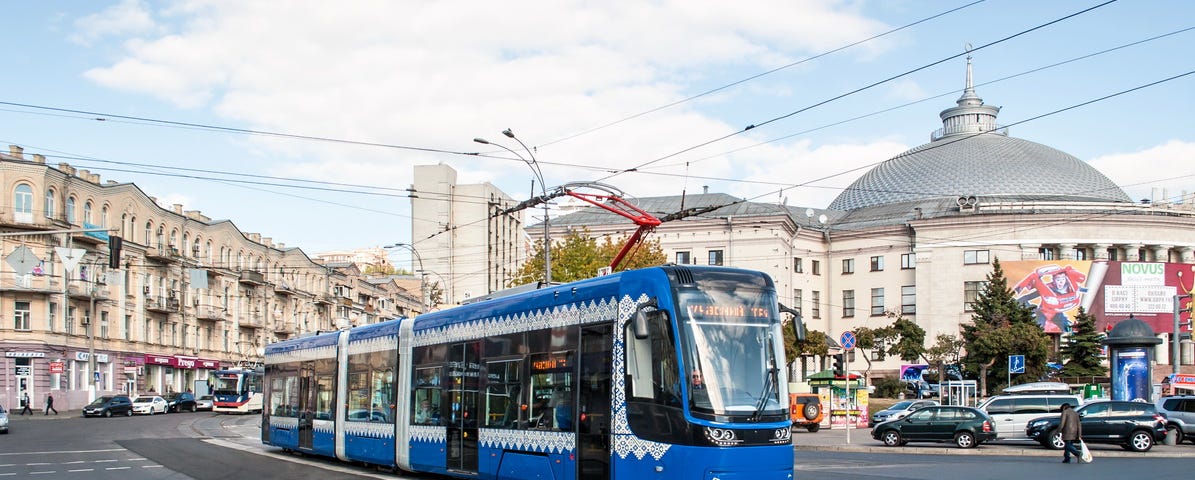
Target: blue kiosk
[(1131, 345)]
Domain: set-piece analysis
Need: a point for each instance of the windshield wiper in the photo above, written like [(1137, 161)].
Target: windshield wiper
[(767, 391)]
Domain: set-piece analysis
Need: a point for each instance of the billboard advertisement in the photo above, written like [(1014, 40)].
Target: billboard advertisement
[(1109, 290), (1131, 380)]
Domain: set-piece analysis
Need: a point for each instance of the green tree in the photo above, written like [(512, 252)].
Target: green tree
[(1080, 354), (1002, 326), (947, 350), (871, 342), (910, 340), (579, 256), (813, 345)]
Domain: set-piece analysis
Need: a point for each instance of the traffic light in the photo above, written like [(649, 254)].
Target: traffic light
[(114, 245), (839, 365)]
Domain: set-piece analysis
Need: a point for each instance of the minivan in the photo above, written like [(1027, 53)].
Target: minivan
[(1180, 416), (1012, 413)]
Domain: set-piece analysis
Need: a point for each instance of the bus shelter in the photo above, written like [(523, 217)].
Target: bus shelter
[(959, 392), (840, 406)]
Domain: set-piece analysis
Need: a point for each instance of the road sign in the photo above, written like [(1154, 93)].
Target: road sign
[(1016, 364), (847, 339)]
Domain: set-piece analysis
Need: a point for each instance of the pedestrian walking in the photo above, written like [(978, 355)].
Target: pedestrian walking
[(25, 404), (1071, 430), (50, 404)]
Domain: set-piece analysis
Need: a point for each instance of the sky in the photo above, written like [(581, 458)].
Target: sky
[(303, 120)]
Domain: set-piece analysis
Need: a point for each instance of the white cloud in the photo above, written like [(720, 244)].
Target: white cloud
[(1145, 173), (124, 18)]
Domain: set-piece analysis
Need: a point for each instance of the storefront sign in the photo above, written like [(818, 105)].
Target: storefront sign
[(183, 362), (57, 367), (24, 371), (99, 357), (24, 354)]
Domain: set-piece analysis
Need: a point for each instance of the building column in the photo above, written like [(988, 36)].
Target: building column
[(1099, 251), (1186, 254), (1066, 251), (1132, 253), (1161, 253)]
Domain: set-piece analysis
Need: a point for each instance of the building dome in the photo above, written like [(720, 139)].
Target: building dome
[(972, 156)]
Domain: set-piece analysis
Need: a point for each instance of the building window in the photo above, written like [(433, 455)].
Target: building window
[(69, 327), (848, 303), (798, 297), (877, 263), (908, 261), (20, 316), (877, 302), (70, 210), (798, 265), (87, 213), (971, 294), (1112, 254), (1045, 253), (52, 316), (815, 304), (908, 300), (715, 257), (1080, 254), (815, 266), (684, 258), (50, 203), (104, 325), (848, 266), (128, 328), (976, 257), (23, 200)]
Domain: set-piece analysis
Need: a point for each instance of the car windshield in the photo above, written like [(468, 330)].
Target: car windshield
[(732, 340), (143, 400)]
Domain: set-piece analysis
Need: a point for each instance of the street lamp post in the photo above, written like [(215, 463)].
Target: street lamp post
[(539, 174), (422, 272)]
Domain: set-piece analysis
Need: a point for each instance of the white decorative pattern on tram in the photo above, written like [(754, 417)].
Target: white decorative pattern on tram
[(528, 440), (625, 441)]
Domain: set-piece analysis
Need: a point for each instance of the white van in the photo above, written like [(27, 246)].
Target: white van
[(1012, 413)]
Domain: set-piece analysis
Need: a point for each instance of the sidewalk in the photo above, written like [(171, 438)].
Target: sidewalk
[(861, 441), (15, 416)]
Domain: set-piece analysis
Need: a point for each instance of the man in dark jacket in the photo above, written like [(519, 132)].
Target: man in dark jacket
[(1071, 430)]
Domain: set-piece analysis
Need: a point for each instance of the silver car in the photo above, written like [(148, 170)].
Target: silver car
[(900, 410), (3, 420), (204, 402)]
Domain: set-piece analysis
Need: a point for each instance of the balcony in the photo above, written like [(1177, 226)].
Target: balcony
[(162, 254), (43, 284), (255, 320), (206, 312), (87, 291), (283, 327), (325, 298), (284, 289), (250, 277), (161, 304)]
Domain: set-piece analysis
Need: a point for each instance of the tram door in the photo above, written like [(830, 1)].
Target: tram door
[(593, 432), (307, 394), (463, 370)]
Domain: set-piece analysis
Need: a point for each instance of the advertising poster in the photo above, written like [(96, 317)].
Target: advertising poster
[(1130, 375), (1144, 290), (1054, 288)]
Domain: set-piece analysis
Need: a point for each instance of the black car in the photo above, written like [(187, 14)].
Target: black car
[(179, 402), (965, 426), (109, 405), (1134, 426)]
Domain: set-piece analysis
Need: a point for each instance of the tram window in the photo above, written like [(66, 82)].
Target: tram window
[(431, 354), (553, 387), (371, 387), (506, 345), (651, 363), (358, 397), (323, 400), (284, 398), (425, 403), (552, 339), (503, 395)]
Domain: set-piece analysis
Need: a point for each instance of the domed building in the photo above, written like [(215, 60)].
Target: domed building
[(917, 236)]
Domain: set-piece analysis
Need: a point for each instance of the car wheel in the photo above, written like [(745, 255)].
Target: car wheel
[(107, 413), (1141, 441), (965, 440), (892, 438), (128, 413), (1055, 440), (811, 410), (193, 408), (1177, 432), (813, 427)]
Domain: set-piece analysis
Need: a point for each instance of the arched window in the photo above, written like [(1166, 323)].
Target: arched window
[(87, 213), (161, 237), (174, 238), (50, 203), (104, 216), (23, 200), (186, 246), (132, 228), (70, 210), (207, 251), (149, 232)]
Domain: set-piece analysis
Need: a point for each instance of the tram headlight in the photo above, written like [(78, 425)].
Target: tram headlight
[(721, 436), (782, 434)]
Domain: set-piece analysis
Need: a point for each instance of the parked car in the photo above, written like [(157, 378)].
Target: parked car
[(1012, 413), (1180, 416), (1135, 426), (205, 402), (900, 410), (109, 405), (806, 410), (3, 420), (180, 402), (150, 404), (967, 427)]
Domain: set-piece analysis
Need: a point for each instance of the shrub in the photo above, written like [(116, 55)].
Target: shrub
[(889, 387)]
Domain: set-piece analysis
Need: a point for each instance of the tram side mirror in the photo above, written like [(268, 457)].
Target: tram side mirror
[(798, 323), (643, 314)]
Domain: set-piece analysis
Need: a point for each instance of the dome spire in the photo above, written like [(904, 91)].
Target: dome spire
[(971, 115)]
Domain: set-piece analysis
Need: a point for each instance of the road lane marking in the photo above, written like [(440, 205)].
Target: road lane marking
[(151, 466), (38, 464), (81, 470), (57, 452), (117, 468), (106, 461), (51, 472)]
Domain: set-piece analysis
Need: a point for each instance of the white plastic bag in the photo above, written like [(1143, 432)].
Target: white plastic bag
[(1085, 454)]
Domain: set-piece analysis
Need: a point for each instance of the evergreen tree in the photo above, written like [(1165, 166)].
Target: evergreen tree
[(1002, 326), (1080, 354)]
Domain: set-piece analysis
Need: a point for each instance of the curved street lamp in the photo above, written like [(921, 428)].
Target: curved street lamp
[(539, 175)]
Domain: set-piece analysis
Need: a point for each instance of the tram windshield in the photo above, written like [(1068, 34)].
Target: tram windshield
[(733, 348)]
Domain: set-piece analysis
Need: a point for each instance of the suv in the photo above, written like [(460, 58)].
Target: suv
[(1134, 426), (1012, 413), (109, 405), (806, 410), (1180, 416)]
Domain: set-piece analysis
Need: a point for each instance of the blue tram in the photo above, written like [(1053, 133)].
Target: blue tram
[(662, 372)]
